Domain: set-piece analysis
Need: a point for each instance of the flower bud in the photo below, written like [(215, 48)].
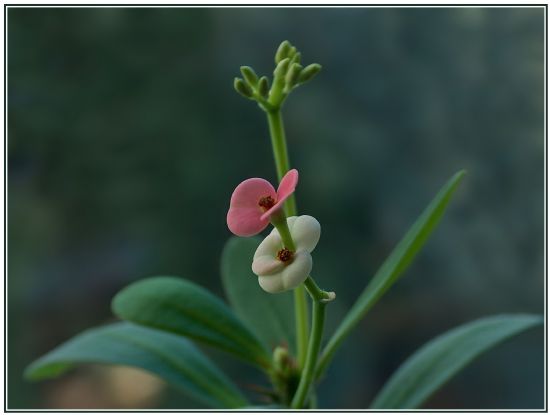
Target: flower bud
[(281, 69), (242, 88), (282, 51), (309, 72), (297, 58), (292, 75), (281, 358), (263, 86), (249, 75), (292, 52)]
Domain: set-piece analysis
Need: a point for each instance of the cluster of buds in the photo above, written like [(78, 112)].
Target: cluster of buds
[(285, 375), (288, 74), (283, 259)]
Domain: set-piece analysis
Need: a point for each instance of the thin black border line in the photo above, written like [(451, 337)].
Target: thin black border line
[(546, 191), (5, 214), (365, 410), (111, 411), (281, 5)]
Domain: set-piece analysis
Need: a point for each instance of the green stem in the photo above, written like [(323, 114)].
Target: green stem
[(301, 316), (280, 153), (312, 399), (278, 220), (308, 374), (314, 291), (329, 351), (320, 298)]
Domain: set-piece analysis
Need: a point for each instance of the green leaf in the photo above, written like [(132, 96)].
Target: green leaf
[(269, 315), (171, 357), (179, 306), (441, 358), (393, 267)]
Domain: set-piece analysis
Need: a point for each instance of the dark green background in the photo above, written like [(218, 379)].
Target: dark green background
[(126, 139)]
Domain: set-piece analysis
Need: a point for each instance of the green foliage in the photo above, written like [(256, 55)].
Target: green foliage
[(395, 264), (441, 358), (171, 357), (270, 316), (179, 306)]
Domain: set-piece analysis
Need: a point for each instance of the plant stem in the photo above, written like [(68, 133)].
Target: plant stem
[(315, 292), (329, 351), (312, 399), (280, 153), (308, 374), (307, 358), (302, 326), (320, 299), (279, 222)]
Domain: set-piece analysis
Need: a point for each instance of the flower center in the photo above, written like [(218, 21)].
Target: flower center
[(285, 255), (266, 202)]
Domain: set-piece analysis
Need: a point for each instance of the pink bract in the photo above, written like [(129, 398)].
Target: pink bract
[(284, 191), (245, 216)]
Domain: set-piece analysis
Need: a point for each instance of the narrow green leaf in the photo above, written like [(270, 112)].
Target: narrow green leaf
[(441, 358), (269, 315), (393, 267), (171, 357), (179, 306)]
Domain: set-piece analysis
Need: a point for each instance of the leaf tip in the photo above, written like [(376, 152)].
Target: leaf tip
[(459, 175), (28, 373), (115, 303)]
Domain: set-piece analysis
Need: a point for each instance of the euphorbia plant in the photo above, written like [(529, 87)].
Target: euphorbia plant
[(164, 316)]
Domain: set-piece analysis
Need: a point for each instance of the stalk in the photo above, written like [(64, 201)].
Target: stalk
[(308, 374), (280, 154)]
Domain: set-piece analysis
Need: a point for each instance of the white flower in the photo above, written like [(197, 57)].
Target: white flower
[(279, 269)]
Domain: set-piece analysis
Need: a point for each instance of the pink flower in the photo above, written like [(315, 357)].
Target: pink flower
[(255, 200)]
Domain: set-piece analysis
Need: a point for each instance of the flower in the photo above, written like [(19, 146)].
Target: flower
[(279, 269), (255, 200)]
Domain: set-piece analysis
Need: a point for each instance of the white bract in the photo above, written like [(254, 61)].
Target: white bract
[(277, 272)]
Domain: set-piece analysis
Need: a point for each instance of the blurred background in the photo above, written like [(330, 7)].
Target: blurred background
[(126, 139)]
